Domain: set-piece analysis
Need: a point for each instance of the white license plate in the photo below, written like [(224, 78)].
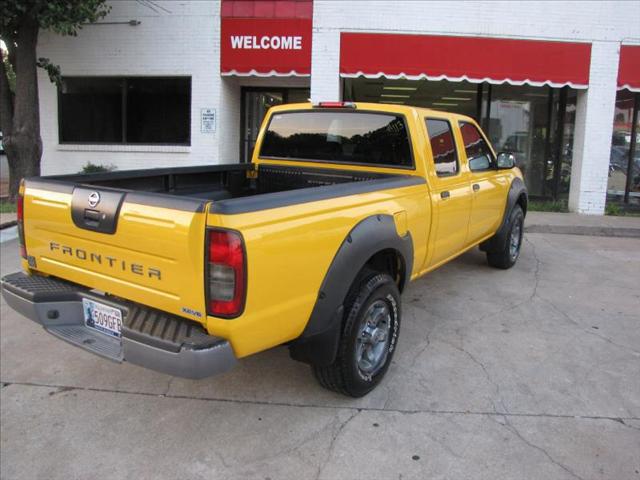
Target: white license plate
[(102, 317)]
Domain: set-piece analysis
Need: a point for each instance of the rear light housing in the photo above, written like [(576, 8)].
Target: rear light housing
[(226, 273), (335, 105), (20, 220)]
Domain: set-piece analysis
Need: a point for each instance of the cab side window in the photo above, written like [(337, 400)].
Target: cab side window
[(443, 147), (479, 154)]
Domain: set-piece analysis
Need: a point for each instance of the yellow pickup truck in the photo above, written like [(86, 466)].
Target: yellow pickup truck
[(185, 270)]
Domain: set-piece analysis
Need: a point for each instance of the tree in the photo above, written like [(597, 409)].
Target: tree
[(20, 23)]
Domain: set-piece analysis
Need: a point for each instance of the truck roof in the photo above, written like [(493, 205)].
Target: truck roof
[(382, 107)]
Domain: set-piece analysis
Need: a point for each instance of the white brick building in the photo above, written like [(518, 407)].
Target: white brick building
[(564, 134)]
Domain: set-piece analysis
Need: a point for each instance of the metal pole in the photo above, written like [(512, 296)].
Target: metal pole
[(547, 142), (632, 147), (487, 128), (557, 167), (479, 104)]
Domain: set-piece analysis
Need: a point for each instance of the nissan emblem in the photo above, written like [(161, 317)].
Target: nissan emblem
[(94, 199)]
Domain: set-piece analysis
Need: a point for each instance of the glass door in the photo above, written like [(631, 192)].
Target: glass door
[(255, 103), (255, 106)]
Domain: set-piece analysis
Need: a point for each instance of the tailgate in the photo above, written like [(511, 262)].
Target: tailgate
[(143, 247)]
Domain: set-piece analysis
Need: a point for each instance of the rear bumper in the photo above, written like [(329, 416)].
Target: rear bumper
[(150, 338)]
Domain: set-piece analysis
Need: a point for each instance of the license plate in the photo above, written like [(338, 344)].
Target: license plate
[(101, 317)]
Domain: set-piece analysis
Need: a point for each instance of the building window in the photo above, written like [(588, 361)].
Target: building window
[(623, 185), (455, 97), (518, 121), (443, 147), (125, 110)]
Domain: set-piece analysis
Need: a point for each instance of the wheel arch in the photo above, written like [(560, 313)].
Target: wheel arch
[(373, 242), (517, 196), (392, 262)]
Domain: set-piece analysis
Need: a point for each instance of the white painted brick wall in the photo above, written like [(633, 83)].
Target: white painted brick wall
[(181, 38), (594, 127), (325, 66)]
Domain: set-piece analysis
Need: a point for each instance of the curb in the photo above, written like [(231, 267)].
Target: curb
[(8, 224), (622, 232), (8, 234)]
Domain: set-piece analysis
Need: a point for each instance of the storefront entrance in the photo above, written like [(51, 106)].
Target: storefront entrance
[(255, 103), (535, 123)]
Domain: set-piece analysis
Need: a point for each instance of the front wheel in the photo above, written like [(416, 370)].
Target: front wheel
[(369, 337), (507, 257)]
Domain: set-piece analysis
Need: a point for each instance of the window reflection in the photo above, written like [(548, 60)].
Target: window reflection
[(620, 151), (478, 152), (443, 147)]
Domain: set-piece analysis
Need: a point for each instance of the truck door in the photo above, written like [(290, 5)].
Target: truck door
[(450, 192), (488, 186)]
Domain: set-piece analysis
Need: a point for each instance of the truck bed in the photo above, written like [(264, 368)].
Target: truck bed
[(226, 184)]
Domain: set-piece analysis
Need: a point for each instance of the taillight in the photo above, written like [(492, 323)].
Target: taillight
[(226, 273), (20, 220), (335, 105)]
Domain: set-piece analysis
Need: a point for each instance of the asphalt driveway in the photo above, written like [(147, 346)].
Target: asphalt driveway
[(530, 373)]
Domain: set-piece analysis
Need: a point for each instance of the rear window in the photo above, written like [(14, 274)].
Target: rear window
[(339, 137)]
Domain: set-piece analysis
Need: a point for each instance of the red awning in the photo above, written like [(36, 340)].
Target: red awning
[(629, 68), (266, 38), (474, 59)]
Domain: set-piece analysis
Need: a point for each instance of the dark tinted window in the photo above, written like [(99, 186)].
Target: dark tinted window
[(125, 110), (90, 110), (443, 147), (479, 154), (158, 110), (338, 136)]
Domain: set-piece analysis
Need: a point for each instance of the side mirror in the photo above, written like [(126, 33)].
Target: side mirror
[(506, 160)]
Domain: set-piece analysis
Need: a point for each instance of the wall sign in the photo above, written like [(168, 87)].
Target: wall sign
[(207, 120), (266, 46)]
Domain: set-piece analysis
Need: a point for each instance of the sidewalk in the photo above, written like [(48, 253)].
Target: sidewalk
[(575, 224)]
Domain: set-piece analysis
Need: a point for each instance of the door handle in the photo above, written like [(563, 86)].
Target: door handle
[(476, 187), (445, 194)]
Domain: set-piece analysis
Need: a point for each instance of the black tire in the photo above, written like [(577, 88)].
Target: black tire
[(371, 291), (508, 256)]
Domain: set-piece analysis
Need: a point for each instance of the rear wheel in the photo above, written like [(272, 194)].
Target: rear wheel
[(369, 336), (507, 257)]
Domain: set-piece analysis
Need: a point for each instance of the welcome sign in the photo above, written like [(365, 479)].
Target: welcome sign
[(266, 46), (266, 42)]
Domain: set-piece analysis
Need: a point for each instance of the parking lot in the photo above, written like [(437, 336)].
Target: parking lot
[(528, 373)]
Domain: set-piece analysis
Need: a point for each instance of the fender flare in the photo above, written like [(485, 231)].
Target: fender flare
[(516, 191), (318, 343)]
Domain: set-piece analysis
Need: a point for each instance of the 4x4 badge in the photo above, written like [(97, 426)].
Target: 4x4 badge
[(94, 199)]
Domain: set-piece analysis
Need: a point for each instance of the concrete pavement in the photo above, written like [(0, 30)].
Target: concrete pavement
[(527, 373)]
